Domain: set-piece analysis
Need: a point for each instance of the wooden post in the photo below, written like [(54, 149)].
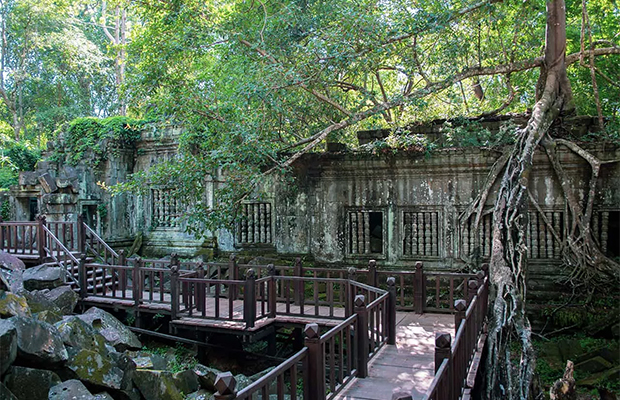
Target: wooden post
[(361, 330), (372, 273), (443, 350), (82, 278), (2, 236), (81, 234), (226, 386), (122, 260), (271, 290), (200, 289), (460, 308), (316, 367), (233, 274), (137, 281), (480, 278), (351, 275), (298, 285), (391, 311), (472, 290), (41, 238), (249, 298), (419, 289), (174, 291)]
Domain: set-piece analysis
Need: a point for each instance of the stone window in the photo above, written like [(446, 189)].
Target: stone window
[(365, 232), (469, 240), (166, 210), (255, 224), (540, 239), (421, 233), (606, 231)]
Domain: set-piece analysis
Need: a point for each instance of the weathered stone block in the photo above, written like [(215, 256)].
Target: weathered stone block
[(64, 298), (29, 383), (43, 277), (8, 345), (47, 183), (38, 342), (70, 390), (113, 330)]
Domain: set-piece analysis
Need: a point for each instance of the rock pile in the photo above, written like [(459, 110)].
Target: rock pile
[(47, 352)]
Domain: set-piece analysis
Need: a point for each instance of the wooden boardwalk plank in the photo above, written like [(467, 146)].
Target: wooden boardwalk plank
[(407, 366)]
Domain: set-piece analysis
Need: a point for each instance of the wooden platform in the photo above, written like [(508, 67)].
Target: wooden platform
[(227, 321), (408, 366)]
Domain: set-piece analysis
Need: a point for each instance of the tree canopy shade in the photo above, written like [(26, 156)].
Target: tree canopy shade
[(258, 83)]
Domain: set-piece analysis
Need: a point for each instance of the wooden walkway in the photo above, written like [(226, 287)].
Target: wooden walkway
[(408, 366)]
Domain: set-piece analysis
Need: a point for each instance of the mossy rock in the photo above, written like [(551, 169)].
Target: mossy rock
[(156, 385), (12, 305), (95, 368)]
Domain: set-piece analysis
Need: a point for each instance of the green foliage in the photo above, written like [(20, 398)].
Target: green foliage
[(5, 210), (14, 157), (93, 134)]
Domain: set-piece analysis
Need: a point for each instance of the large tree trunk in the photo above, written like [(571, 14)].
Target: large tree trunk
[(507, 378)]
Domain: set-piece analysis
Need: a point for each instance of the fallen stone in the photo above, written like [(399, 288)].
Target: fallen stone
[(12, 269), (38, 302), (48, 183), (206, 376), (145, 360), (156, 385), (49, 316), (8, 344), (64, 298), (201, 394), (242, 381), (12, 305), (30, 383), (70, 390), (113, 330), (593, 365), (612, 374), (95, 368), (5, 393), (43, 277), (186, 381), (38, 342), (74, 332), (103, 396)]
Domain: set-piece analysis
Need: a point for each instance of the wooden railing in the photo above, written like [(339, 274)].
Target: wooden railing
[(60, 255), (20, 238), (326, 363), (89, 240), (456, 362)]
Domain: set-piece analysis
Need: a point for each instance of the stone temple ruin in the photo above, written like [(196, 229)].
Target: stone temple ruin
[(347, 207)]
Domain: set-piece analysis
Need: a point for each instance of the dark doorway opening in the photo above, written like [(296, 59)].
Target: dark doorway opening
[(33, 208), (376, 232)]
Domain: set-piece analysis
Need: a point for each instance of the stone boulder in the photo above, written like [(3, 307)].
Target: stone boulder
[(38, 302), (38, 342), (43, 277), (70, 390), (206, 376), (8, 344), (103, 396), (29, 383), (95, 368), (186, 381), (243, 381), (12, 269), (78, 334), (12, 305), (201, 394), (113, 330), (5, 393), (49, 316), (156, 385), (64, 298), (145, 360)]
